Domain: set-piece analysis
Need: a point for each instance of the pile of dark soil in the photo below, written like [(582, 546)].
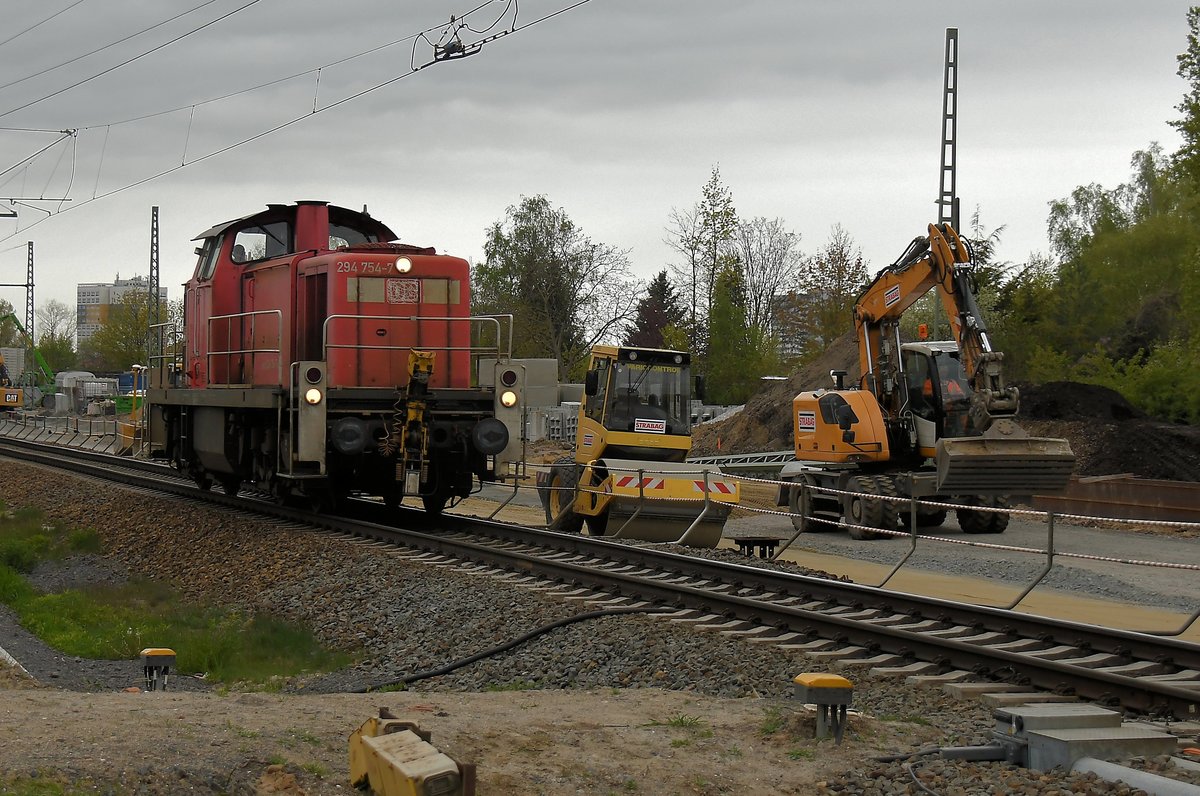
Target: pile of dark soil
[(1107, 434)]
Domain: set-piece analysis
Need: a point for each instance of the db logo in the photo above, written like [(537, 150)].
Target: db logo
[(806, 421)]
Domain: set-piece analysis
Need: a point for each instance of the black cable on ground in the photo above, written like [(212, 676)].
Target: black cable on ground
[(570, 620)]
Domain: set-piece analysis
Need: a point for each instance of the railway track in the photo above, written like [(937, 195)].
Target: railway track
[(858, 625)]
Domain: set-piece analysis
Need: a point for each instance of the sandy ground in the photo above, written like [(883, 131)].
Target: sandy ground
[(532, 742)]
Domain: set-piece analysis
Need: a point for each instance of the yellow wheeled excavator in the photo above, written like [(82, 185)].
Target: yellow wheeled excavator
[(629, 478), (931, 420)]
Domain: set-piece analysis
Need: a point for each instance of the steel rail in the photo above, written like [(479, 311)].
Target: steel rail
[(787, 602)]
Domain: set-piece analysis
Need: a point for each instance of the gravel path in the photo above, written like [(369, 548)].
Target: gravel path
[(407, 618)]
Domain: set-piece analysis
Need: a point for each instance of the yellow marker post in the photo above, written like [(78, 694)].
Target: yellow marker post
[(156, 665), (831, 693)]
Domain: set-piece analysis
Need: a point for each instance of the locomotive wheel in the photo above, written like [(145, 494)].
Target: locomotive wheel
[(434, 503), (983, 521), (563, 480), (231, 485), (202, 480)]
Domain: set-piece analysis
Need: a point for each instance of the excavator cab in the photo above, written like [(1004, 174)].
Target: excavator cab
[(938, 394)]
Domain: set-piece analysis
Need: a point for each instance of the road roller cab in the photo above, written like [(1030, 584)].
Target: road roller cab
[(629, 477)]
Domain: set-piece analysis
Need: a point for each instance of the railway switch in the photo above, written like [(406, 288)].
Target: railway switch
[(156, 666), (831, 693)]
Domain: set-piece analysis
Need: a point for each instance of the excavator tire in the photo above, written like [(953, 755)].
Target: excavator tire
[(983, 521), (564, 478), (866, 510), (798, 505)]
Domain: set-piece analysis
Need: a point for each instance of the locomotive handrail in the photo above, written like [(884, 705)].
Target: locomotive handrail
[(229, 354), (160, 363), (475, 351)]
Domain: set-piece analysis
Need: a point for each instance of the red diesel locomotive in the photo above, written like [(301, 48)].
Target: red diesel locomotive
[(319, 359)]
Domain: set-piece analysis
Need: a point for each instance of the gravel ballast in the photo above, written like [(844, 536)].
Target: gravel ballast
[(405, 617)]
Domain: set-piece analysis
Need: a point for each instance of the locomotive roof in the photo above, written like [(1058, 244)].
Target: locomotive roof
[(335, 213)]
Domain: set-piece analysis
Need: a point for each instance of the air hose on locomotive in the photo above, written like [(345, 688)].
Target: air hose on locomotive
[(506, 646)]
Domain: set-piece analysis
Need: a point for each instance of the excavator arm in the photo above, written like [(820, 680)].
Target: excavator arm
[(942, 261), (46, 372)]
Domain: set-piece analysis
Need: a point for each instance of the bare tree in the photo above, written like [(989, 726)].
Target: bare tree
[(701, 234), (56, 320), (771, 266)]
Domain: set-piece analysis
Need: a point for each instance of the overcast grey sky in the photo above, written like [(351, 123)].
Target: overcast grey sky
[(617, 110)]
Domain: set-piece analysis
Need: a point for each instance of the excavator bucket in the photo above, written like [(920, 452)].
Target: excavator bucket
[(663, 502), (1003, 465)]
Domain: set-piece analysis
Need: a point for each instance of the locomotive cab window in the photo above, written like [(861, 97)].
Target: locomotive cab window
[(206, 262), (343, 235), (263, 241)]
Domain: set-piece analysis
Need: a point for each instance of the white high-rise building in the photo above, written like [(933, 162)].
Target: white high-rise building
[(94, 300)]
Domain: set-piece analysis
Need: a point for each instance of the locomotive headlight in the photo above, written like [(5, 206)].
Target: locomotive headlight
[(508, 398), (403, 265), (313, 396)]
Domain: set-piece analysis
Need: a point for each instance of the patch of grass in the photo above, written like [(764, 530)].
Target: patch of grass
[(772, 723), (241, 732), (630, 785), (316, 769), (680, 742), (515, 685), (117, 622), (735, 752), (908, 719), (26, 540), (49, 785), (306, 736), (679, 720), (801, 754)]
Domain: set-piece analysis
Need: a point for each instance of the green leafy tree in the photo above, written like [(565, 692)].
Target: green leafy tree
[(739, 354), (565, 292), (1187, 158), (657, 311), (121, 340), (9, 336), (829, 287)]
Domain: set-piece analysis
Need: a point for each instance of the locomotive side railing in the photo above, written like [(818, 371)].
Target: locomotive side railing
[(249, 354), (502, 349)]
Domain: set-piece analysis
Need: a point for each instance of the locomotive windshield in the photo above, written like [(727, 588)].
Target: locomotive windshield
[(648, 398)]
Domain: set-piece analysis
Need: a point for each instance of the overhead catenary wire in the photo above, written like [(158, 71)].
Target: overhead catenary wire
[(37, 24), (96, 196), (128, 61), (105, 47)]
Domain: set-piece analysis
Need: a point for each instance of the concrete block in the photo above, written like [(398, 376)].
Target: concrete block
[(971, 690), (1053, 716), (1051, 748), (928, 680), (1009, 700)]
